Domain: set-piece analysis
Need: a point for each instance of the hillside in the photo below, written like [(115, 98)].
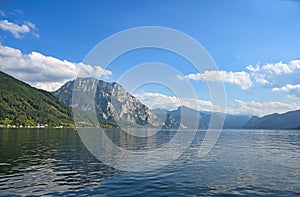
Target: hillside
[(21, 104)]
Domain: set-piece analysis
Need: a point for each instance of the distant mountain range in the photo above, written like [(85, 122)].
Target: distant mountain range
[(173, 118), (289, 120), (21, 104)]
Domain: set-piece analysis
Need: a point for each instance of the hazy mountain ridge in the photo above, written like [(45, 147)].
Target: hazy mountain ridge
[(288, 120), (173, 118)]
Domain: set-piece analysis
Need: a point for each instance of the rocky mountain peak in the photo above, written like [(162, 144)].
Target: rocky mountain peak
[(111, 102)]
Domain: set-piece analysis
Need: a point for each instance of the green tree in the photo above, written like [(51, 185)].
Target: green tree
[(6, 121)]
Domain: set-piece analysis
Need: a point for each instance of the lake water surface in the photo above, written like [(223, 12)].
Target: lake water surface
[(243, 162)]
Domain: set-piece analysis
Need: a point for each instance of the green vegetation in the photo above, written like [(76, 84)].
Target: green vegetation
[(21, 104), (6, 121)]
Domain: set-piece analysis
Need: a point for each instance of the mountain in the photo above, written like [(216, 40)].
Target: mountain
[(21, 104), (202, 118), (289, 120), (235, 121), (110, 101), (230, 121), (173, 119), (185, 117)]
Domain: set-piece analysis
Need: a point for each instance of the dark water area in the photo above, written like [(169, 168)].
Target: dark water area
[(54, 162)]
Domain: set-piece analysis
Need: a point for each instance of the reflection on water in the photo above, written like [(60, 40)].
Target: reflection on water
[(243, 162), (45, 161), (138, 139), (127, 152)]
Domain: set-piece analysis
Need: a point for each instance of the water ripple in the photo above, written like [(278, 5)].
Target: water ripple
[(243, 163)]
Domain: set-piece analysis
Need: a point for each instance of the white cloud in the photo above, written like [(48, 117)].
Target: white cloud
[(18, 30), (241, 79), (293, 90), (260, 108), (45, 72), (268, 75), (156, 100), (275, 74)]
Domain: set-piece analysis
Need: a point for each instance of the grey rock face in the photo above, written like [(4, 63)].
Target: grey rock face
[(110, 101)]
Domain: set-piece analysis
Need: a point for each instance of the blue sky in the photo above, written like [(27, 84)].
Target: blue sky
[(235, 33)]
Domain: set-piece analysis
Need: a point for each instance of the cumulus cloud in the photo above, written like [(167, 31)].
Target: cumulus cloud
[(260, 108), (157, 100), (268, 75), (241, 79), (280, 73), (18, 30), (293, 90), (44, 72)]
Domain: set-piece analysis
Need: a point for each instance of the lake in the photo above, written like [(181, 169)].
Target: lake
[(243, 162)]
